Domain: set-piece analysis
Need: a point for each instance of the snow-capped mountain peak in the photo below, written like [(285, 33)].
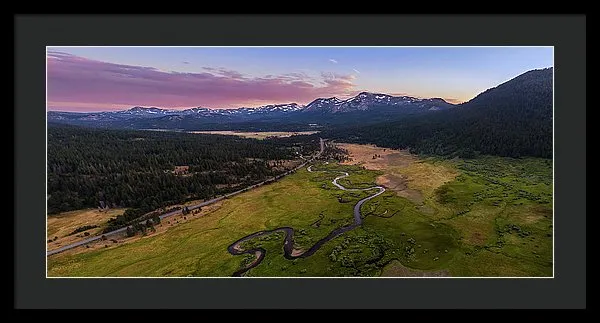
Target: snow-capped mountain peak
[(324, 108), (367, 101)]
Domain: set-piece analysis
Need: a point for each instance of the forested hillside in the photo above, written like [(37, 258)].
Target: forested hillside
[(138, 169), (513, 119)]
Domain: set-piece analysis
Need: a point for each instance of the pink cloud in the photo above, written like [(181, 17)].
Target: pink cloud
[(77, 83)]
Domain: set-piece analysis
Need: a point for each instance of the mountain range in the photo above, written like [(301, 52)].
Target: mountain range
[(364, 107), (512, 119)]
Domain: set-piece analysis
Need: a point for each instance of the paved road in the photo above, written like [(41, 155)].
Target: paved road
[(121, 230), (288, 244)]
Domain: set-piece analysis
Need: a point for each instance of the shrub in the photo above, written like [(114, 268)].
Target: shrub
[(81, 229), (130, 232)]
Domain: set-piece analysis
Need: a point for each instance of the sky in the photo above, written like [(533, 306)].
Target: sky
[(92, 79)]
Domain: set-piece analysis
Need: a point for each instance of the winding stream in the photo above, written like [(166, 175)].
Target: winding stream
[(288, 245)]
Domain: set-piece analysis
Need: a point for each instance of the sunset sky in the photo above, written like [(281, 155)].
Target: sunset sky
[(89, 79)]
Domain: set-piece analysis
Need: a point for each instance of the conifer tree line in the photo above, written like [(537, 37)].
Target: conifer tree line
[(90, 167)]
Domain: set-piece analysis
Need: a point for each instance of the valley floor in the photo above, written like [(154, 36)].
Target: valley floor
[(257, 134), (489, 216)]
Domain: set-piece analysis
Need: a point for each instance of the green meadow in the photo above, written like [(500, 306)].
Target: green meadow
[(493, 219)]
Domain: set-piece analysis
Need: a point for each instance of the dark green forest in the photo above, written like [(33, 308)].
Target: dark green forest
[(90, 167), (513, 119)]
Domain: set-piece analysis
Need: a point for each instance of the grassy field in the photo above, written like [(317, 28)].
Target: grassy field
[(61, 226), (484, 217), (503, 208), (257, 134), (199, 247)]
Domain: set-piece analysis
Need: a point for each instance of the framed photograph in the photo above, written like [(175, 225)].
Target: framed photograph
[(300, 161), (263, 164)]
